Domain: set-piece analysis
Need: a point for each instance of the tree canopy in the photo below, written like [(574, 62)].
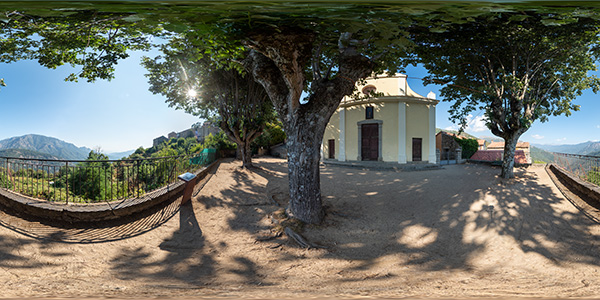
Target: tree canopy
[(90, 40), (516, 67), (213, 89)]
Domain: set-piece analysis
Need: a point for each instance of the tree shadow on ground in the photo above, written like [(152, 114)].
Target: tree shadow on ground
[(184, 260), (87, 232), (10, 257), (435, 220), (249, 201), (190, 258), (441, 223)]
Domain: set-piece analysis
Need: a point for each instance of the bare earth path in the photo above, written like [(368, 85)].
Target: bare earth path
[(454, 233)]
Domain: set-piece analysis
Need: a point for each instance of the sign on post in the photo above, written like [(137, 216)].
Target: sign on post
[(190, 182)]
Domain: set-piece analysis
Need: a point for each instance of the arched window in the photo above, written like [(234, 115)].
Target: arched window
[(369, 90)]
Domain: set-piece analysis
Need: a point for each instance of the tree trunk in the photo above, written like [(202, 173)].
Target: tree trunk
[(278, 62), (238, 151), (243, 142), (304, 153), (508, 163), (246, 153), (243, 151)]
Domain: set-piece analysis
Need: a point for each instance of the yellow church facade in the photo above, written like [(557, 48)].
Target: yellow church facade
[(389, 122)]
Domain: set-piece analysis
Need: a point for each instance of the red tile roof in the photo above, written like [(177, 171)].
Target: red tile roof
[(496, 155), (500, 145), (487, 155)]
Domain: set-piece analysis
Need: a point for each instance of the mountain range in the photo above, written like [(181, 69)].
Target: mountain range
[(119, 155), (47, 145), (44, 147), (543, 153), (587, 148), (24, 153)]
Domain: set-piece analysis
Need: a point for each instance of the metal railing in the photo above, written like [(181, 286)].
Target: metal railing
[(89, 181), (585, 167)]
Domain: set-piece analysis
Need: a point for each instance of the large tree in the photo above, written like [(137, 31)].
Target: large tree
[(516, 67), (326, 62), (214, 90), (320, 51)]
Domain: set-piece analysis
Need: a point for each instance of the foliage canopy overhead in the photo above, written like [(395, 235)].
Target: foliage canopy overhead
[(96, 34)]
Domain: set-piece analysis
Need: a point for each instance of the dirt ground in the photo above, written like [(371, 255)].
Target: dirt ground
[(457, 232)]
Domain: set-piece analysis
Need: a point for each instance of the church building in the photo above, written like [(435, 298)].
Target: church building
[(386, 121)]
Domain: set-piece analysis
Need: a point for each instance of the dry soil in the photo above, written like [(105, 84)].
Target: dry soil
[(456, 232)]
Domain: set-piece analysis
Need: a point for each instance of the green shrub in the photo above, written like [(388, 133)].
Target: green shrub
[(469, 147), (197, 148), (90, 180), (273, 134), (4, 181), (219, 141), (166, 151), (593, 176)]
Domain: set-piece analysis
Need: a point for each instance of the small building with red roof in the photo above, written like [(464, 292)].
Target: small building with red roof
[(495, 152)]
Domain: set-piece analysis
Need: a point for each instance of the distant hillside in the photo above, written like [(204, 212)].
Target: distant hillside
[(119, 155), (24, 153), (587, 148), (595, 153), (490, 139), (44, 144), (541, 155)]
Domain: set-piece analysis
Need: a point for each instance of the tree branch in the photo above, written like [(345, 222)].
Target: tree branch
[(316, 59), (269, 76)]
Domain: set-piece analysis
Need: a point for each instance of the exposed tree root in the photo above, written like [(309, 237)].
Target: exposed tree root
[(285, 223), (300, 240), (272, 198), (268, 237)]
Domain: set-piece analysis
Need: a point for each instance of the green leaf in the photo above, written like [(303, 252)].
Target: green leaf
[(437, 29), (176, 27), (518, 18)]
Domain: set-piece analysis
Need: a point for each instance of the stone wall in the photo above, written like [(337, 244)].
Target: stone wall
[(74, 212), (447, 146), (583, 188)]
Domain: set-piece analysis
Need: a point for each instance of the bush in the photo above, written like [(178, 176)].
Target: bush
[(273, 134), (4, 181), (166, 151), (197, 148), (469, 147), (219, 141), (91, 179), (593, 176)]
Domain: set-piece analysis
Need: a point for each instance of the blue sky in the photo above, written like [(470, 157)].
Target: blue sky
[(123, 115), (117, 115), (581, 126)]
